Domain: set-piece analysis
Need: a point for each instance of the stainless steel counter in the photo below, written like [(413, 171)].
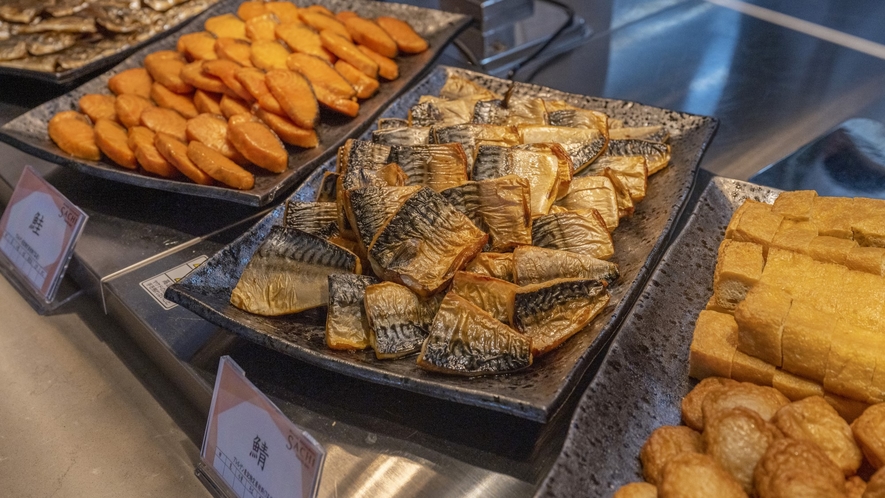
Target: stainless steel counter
[(116, 403)]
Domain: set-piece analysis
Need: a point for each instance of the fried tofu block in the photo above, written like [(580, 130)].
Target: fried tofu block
[(794, 236), (745, 368), (738, 268), (806, 340), (868, 222), (761, 318), (814, 420), (756, 223), (794, 468), (73, 133), (849, 409), (852, 362), (226, 25), (369, 34), (869, 432), (830, 249), (867, 260), (407, 40), (765, 401), (713, 345), (833, 216), (713, 306), (663, 444), (800, 275), (795, 206), (197, 46), (795, 387), (135, 81)]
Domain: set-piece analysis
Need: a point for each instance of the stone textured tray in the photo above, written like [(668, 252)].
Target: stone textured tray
[(640, 384), (28, 131), (533, 394)]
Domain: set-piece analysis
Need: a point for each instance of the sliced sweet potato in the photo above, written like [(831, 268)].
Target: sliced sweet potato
[(158, 119), (262, 27), (286, 11), (193, 74), (387, 68), (219, 167), (231, 106), (176, 153), (234, 49), (320, 73), (300, 38), (73, 133), (295, 96), (407, 40), (365, 87), (166, 70), (288, 131), (98, 106), (141, 141), (207, 102), (113, 140), (269, 55), (320, 9), (260, 145), (198, 46), (226, 25), (212, 130), (182, 104), (129, 108), (344, 15), (135, 81), (366, 32), (255, 82), (322, 22), (226, 70), (345, 50), (249, 9)]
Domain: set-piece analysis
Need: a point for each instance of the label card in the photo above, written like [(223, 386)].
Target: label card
[(253, 446), (38, 231), (156, 285)]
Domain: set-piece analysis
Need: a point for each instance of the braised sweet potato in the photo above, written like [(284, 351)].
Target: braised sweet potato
[(321, 22), (141, 141), (387, 68), (113, 140), (207, 102), (158, 119), (262, 27), (135, 81), (197, 46), (231, 106), (212, 130), (407, 40), (288, 131), (176, 153), (165, 68), (249, 9), (286, 11), (258, 144), (300, 38), (226, 25), (193, 75), (295, 96), (219, 167), (226, 70), (320, 73), (182, 104), (73, 133), (255, 82), (366, 32), (269, 55), (129, 108), (365, 87), (234, 49), (98, 106), (345, 50)]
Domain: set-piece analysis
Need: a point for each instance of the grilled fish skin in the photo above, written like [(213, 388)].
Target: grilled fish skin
[(631, 171), (582, 233), (18, 12), (399, 320), (371, 207), (583, 154), (656, 155), (318, 218), (465, 340), (561, 113), (457, 87), (626, 206), (593, 192), (347, 326), (392, 123), (425, 243), (404, 135), (551, 312), (539, 167), (515, 111), (438, 166), (328, 190), (494, 264), (471, 135), (361, 154), (288, 273), (493, 295), (535, 134), (500, 207), (50, 43), (535, 265), (651, 133)]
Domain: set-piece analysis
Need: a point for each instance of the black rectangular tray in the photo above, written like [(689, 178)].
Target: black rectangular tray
[(29, 133), (533, 394)]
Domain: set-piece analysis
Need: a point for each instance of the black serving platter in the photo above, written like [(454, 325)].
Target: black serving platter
[(640, 384), (29, 131), (533, 394)]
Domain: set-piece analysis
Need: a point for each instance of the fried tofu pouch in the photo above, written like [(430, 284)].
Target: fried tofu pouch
[(636, 490), (695, 475), (765, 401), (663, 445), (792, 468), (737, 439), (692, 414), (869, 432)]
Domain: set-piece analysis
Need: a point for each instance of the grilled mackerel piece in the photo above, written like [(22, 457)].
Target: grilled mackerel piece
[(493, 295), (593, 192), (438, 166), (560, 113), (551, 312), (471, 135), (371, 207), (465, 340), (457, 87), (328, 190), (392, 123), (500, 207), (653, 133), (583, 154), (424, 243), (582, 233), (347, 326), (493, 264), (288, 273), (513, 112), (434, 111), (656, 155), (539, 166), (408, 135), (359, 155), (537, 134), (318, 218), (631, 172), (534, 265), (362, 164), (399, 320)]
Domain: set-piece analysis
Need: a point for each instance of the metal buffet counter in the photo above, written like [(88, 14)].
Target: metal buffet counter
[(108, 394)]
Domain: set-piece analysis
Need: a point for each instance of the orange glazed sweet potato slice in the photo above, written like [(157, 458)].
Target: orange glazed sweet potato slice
[(250, 9), (197, 46), (165, 68), (219, 167), (98, 106), (73, 133), (176, 153), (212, 130), (226, 70), (141, 141), (234, 49), (168, 121), (113, 140), (407, 40), (182, 104), (366, 32), (345, 50), (269, 55), (288, 131), (321, 22), (255, 82), (295, 96), (231, 106), (260, 145), (135, 81), (226, 25), (262, 27), (320, 73), (193, 75), (286, 11), (365, 87), (207, 102), (129, 108), (344, 15), (300, 38), (387, 68)]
